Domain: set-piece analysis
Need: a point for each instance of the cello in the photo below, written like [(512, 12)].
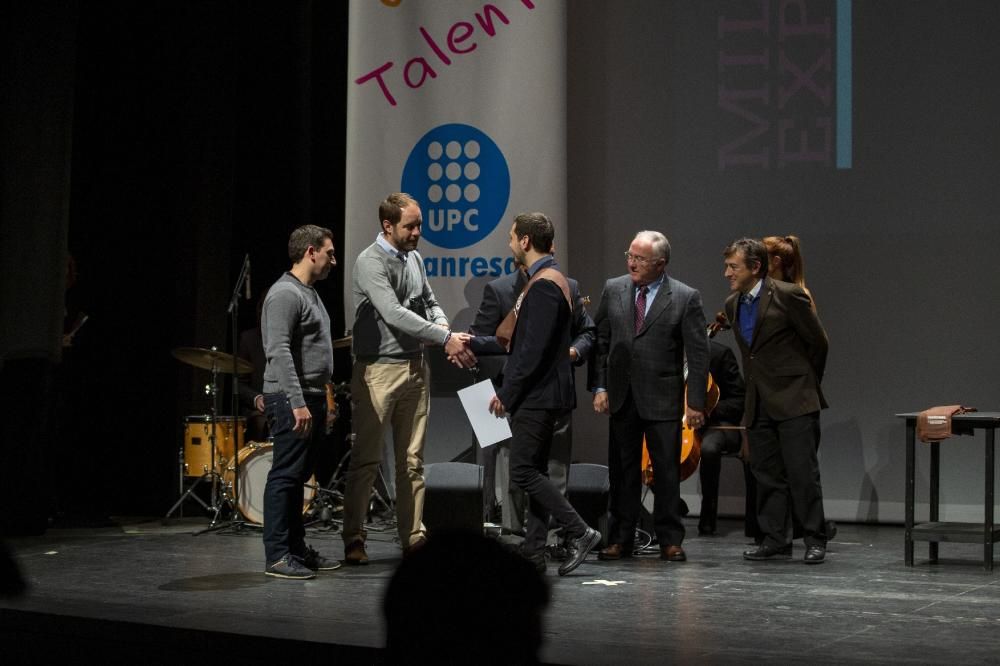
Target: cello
[(690, 437)]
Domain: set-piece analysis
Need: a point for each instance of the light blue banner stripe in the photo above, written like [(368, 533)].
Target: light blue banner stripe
[(844, 102)]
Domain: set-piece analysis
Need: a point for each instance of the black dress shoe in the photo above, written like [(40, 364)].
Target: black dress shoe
[(815, 555), (763, 552), (577, 550)]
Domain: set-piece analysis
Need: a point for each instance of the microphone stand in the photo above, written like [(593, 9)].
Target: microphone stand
[(234, 315)]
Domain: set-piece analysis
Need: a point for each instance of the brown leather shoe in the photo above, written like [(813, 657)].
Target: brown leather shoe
[(414, 547), (614, 551), (354, 553), (673, 554)]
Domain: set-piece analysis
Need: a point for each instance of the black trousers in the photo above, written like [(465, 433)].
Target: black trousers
[(530, 445), (663, 439), (294, 460), (496, 460), (714, 444), (784, 462)]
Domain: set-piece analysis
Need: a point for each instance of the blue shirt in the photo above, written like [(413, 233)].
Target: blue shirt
[(747, 312), (539, 264), (653, 287), (387, 246)]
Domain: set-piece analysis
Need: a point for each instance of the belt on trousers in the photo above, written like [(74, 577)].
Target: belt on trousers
[(408, 358)]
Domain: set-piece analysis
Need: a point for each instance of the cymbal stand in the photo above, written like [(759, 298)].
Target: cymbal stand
[(234, 313)]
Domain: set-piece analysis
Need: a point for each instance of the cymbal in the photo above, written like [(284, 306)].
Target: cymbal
[(211, 359), (342, 342)]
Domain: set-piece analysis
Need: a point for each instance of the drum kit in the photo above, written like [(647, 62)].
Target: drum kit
[(214, 452)]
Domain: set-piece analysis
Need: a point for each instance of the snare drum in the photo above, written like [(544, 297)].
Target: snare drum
[(198, 444), (255, 460)]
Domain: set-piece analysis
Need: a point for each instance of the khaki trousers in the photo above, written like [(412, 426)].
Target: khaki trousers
[(384, 395)]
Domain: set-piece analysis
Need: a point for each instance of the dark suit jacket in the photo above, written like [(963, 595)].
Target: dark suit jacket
[(499, 297), (732, 392), (651, 362), (538, 371), (783, 366)]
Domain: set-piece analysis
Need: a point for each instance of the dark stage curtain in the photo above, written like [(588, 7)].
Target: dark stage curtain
[(200, 132)]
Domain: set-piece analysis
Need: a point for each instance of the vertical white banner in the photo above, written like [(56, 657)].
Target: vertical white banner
[(461, 104)]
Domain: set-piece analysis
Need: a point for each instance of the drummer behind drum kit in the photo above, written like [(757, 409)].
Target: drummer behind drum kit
[(214, 451)]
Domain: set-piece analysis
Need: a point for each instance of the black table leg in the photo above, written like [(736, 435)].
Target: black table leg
[(910, 481), (935, 499), (988, 522)]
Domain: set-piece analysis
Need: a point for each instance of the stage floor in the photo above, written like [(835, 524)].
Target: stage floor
[(155, 593)]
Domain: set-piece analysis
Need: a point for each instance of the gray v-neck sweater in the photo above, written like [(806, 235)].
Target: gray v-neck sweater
[(395, 311)]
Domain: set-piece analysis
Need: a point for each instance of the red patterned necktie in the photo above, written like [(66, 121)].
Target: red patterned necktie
[(640, 309)]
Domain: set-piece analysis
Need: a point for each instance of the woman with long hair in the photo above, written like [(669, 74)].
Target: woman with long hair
[(785, 262)]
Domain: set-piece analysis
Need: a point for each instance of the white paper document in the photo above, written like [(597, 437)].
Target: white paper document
[(476, 401)]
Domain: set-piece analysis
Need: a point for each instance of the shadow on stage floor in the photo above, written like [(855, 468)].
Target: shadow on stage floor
[(147, 593)]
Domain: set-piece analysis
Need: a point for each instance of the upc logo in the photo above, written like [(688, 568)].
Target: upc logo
[(462, 182)]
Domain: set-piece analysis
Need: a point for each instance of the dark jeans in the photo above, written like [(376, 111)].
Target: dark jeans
[(530, 444), (294, 459), (663, 439), (784, 462)]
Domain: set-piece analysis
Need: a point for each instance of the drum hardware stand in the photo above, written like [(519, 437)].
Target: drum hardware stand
[(213, 474), (233, 500), (335, 487), (322, 508)]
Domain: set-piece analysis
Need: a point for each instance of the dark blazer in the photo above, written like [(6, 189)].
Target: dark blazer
[(651, 362), (732, 392), (499, 298), (538, 373), (783, 366)]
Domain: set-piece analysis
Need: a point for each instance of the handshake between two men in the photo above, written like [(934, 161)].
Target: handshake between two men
[(458, 348), (459, 351)]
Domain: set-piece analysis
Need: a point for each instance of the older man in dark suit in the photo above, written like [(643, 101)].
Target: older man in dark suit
[(647, 323), (538, 389), (784, 350)]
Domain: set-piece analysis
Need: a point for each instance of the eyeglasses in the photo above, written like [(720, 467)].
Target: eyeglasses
[(642, 261)]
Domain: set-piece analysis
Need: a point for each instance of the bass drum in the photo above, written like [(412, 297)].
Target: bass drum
[(255, 461)]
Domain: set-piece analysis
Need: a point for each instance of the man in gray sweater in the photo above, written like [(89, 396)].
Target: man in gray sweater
[(396, 316), (296, 333)]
